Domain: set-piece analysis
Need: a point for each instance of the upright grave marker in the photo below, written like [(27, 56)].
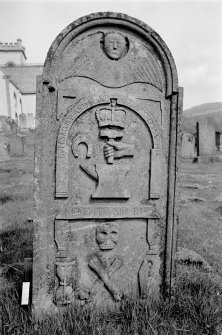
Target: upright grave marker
[(17, 145), (188, 146), (206, 142), (108, 110)]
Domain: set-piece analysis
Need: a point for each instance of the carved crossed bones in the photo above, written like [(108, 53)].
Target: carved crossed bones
[(105, 273)]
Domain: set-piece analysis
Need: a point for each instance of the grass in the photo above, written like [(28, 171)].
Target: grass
[(196, 304), (195, 309), (16, 203), (200, 214)]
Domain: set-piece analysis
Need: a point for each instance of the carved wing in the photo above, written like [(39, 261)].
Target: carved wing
[(146, 70), (83, 63)]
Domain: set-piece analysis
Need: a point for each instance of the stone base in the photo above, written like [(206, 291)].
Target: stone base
[(208, 158)]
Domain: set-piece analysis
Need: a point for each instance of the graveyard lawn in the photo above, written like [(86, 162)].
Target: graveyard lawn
[(194, 309), (201, 211), (197, 304), (16, 202)]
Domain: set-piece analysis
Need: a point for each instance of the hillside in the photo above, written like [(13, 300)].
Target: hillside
[(212, 110)]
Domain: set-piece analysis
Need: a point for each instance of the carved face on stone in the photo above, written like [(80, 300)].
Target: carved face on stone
[(107, 236), (114, 45)]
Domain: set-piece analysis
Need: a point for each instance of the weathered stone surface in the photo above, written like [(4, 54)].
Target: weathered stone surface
[(206, 142), (220, 148), (188, 146), (22, 121), (108, 115), (31, 121), (4, 147), (17, 145), (5, 124)]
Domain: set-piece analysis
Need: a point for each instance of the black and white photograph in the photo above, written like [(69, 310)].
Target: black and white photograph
[(110, 167)]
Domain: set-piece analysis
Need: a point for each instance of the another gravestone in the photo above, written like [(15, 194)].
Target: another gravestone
[(108, 111), (206, 142), (16, 145), (22, 121), (188, 146), (5, 124), (31, 120), (5, 131), (220, 147), (4, 147)]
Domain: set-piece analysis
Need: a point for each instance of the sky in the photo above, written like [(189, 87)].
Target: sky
[(191, 29)]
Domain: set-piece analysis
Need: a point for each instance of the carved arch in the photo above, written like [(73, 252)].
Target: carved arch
[(62, 148), (119, 20)]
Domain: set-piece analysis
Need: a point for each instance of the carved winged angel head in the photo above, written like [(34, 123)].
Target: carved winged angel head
[(115, 45)]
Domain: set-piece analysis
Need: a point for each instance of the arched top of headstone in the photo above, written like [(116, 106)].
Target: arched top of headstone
[(87, 40)]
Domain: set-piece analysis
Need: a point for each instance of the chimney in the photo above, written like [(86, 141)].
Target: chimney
[(19, 42)]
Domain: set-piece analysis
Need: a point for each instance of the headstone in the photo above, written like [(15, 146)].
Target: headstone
[(5, 124), (188, 146), (13, 126), (219, 141), (31, 120), (17, 145), (107, 146), (206, 142), (4, 147), (22, 121)]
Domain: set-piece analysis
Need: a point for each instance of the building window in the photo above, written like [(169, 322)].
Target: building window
[(21, 110), (15, 105), (15, 101)]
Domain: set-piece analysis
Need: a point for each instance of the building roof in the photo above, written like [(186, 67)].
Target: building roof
[(24, 77)]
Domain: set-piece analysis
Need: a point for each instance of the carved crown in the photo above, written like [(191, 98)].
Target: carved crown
[(111, 117)]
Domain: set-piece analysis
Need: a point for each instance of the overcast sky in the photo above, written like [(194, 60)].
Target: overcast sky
[(191, 29)]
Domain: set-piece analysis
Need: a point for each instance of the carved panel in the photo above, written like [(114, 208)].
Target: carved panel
[(105, 121), (112, 59)]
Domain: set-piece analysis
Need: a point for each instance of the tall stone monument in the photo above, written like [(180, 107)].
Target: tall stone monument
[(188, 146), (108, 114)]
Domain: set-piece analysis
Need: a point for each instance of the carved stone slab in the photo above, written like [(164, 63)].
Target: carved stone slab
[(107, 151)]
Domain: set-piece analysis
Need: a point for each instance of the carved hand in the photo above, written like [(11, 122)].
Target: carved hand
[(118, 149)]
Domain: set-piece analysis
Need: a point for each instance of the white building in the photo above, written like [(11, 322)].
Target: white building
[(17, 84)]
